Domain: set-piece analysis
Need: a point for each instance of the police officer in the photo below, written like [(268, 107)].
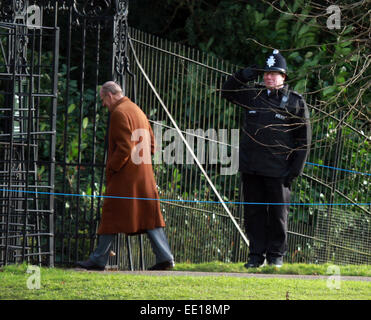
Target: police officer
[(274, 145)]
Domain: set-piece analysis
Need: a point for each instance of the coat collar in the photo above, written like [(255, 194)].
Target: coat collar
[(284, 90), (114, 106)]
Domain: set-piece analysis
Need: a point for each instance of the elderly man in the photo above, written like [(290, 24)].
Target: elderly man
[(129, 183), (275, 142)]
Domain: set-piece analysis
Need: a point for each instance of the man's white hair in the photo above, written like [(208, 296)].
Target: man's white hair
[(112, 87)]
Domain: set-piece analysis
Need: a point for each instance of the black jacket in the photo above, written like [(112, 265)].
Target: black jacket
[(276, 136)]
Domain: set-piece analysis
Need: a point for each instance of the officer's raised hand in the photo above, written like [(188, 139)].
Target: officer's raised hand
[(249, 73)]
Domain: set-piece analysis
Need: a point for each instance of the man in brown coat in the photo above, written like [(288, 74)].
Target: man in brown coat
[(131, 203)]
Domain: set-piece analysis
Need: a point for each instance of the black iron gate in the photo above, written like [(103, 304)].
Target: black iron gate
[(52, 133), (27, 137)]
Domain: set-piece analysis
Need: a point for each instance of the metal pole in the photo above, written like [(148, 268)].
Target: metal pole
[(11, 131), (338, 150), (52, 146)]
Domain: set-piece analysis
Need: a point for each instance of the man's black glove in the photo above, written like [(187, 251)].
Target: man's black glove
[(288, 180), (249, 73)]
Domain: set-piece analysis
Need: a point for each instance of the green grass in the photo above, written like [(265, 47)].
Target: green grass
[(295, 268), (66, 284)]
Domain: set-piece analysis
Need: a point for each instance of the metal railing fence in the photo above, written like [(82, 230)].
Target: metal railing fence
[(324, 198), (329, 219)]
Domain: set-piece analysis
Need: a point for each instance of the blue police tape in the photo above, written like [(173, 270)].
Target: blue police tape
[(339, 169), (187, 201)]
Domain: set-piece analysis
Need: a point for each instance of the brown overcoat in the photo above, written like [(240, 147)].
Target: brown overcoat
[(129, 174)]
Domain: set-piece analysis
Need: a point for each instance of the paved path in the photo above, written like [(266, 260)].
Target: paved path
[(230, 274)]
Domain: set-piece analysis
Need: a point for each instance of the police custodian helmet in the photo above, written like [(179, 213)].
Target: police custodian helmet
[(275, 62)]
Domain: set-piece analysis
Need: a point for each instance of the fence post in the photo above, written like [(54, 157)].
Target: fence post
[(119, 41), (338, 151), (120, 69)]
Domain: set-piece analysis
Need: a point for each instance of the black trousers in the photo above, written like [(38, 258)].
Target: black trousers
[(266, 224)]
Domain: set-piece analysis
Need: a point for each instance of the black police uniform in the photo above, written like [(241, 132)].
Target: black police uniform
[(275, 142)]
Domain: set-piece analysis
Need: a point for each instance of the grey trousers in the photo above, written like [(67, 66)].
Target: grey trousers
[(158, 240)]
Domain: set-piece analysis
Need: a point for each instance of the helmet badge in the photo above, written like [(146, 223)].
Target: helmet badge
[(271, 61)]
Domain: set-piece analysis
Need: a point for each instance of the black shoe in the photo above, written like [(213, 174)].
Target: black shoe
[(275, 261), (89, 265), (167, 265), (254, 262)]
